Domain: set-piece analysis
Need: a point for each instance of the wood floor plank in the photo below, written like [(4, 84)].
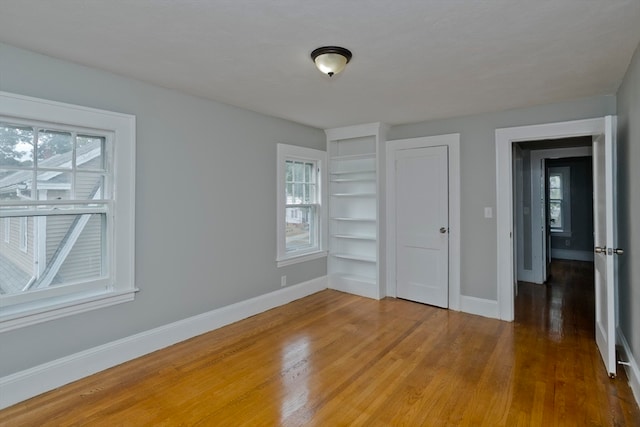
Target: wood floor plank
[(335, 359)]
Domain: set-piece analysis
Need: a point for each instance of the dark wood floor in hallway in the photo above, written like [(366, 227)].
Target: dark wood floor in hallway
[(334, 359)]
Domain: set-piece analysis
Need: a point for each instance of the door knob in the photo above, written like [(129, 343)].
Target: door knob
[(618, 251), (443, 230), (599, 250)]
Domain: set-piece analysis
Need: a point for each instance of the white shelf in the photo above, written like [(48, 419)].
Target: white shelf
[(354, 179), (354, 186), (354, 219), (356, 257), (354, 237), (353, 194), (354, 157), (352, 172)]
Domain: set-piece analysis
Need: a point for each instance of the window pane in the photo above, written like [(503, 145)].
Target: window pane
[(91, 186), (289, 171), (15, 184), (54, 149), (289, 190), (555, 214), (54, 186), (297, 193), (555, 193), (16, 145), (72, 251), (309, 194), (308, 172), (90, 152), (555, 181), (298, 172), (300, 232)]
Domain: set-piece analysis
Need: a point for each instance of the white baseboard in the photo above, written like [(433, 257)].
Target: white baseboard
[(479, 306), (633, 373), (31, 382), (572, 255)]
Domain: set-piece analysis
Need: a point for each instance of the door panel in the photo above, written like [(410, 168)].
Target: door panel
[(603, 216), (421, 190)]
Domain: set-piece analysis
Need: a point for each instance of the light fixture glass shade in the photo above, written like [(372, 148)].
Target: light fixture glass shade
[(331, 59)]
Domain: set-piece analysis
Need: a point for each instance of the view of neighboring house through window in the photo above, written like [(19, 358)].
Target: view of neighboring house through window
[(41, 170), (559, 199), (300, 201), (68, 246)]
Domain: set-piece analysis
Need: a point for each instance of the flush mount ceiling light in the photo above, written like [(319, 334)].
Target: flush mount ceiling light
[(331, 59)]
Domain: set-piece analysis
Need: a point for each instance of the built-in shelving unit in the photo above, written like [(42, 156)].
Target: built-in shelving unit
[(355, 209)]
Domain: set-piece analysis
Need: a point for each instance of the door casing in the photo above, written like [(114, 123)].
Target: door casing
[(505, 137)]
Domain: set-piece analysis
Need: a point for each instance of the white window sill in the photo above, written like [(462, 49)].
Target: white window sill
[(22, 315), (282, 262)]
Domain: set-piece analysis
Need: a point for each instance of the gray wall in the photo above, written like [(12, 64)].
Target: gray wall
[(205, 205), (478, 180), (581, 182), (629, 204)]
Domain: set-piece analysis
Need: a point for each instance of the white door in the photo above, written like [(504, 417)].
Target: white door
[(603, 216), (422, 239)]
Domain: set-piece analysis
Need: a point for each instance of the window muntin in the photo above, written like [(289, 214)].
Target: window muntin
[(300, 204), (72, 167)]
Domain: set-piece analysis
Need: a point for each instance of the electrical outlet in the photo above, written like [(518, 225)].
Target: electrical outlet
[(283, 281)]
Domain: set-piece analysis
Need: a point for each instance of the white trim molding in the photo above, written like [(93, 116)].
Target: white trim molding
[(505, 138), (452, 141), (48, 376), (479, 306), (632, 370)]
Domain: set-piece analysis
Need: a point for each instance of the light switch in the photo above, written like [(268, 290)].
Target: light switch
[(488, 213)]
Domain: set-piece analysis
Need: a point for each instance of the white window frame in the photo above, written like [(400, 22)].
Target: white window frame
[(565, 178), (118, 286), (291, 152)]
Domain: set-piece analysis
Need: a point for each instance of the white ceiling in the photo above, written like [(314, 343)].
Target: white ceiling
[(413, 60)]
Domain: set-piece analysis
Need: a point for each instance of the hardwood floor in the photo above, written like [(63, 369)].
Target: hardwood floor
[(337, 359)]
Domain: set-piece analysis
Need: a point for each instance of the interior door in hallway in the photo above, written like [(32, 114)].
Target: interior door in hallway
[(422, 242), (605, 240)]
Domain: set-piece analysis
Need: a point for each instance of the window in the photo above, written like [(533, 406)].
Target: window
[(559, 200), (301, 216), (61, 167)]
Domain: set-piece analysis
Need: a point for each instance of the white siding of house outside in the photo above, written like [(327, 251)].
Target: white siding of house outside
[(23, 260), (85, 259)]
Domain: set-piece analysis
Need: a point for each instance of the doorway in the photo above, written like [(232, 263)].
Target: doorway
[(602, 132), (548, 222)]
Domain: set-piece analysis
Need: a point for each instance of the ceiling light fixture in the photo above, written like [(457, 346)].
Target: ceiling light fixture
[(331, 59)]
